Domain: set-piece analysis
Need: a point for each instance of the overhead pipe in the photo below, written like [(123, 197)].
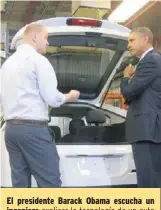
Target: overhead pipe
[(30, 11), (128, 22)]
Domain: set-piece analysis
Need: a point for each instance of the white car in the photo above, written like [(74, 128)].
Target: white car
[(89, 134)]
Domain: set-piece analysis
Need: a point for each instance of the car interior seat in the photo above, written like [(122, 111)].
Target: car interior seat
[(115, 133), (73, 127), (94, 131)]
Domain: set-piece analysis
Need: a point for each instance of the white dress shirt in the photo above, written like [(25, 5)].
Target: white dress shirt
[(28, 85), (144, 54)]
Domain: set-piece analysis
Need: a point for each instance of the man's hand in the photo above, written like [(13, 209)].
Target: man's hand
[(73, 95), (129, 71)]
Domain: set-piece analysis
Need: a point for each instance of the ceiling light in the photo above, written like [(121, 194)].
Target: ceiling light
[(126, 9)]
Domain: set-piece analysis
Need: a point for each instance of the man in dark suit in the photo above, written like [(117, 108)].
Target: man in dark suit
[(142, 91)]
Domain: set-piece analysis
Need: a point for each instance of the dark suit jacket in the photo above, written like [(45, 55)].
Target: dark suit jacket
[(143, 92)]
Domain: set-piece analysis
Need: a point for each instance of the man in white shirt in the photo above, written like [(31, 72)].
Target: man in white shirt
[(29, 87)]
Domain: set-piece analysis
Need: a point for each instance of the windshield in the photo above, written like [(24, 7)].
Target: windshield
[(81, 62)]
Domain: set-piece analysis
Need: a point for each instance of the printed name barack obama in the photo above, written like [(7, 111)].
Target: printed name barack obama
[(89, 200)]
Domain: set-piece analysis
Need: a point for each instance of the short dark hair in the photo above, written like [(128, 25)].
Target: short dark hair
[(145, 31)]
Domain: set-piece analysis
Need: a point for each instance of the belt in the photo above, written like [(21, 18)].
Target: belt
[(33, 122)]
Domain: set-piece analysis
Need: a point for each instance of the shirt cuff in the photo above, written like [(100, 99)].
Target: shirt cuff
[(63, 98), (59, 99)]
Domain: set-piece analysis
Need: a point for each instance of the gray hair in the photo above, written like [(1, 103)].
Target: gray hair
[(145, 32)]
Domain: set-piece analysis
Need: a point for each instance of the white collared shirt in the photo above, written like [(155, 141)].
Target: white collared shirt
[(28, 85), (144, 54)]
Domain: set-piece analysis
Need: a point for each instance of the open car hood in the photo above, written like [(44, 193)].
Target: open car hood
[(84, 57)]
